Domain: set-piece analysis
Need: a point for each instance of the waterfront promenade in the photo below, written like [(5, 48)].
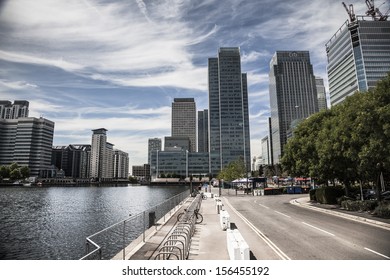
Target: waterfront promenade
[(210, 241)]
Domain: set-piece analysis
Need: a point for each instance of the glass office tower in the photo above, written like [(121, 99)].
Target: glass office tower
[(358, 56), (293, 95), (203, 131), (184, 120), (228, 110)]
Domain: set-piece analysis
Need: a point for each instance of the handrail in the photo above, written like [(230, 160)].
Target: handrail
[(118, 236)]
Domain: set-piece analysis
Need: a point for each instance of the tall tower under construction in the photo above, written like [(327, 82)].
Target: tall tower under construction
[(358, 53)]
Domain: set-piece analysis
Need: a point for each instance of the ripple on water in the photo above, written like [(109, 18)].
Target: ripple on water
[(53, 222)]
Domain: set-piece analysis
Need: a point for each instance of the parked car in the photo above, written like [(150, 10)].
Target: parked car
[(369, 194)]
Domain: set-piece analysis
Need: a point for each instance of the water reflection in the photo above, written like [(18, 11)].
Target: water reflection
[(52, 222)]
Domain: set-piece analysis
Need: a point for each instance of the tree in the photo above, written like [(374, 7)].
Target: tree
[(15, 174), (25, 171), (4, 171), (347, 142), (13, 166), (234, 170)]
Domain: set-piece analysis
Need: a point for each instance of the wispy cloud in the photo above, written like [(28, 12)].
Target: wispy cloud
[(111, 42), (17, 85), (119, 64)]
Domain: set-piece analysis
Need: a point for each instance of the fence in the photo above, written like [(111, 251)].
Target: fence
[(118, 239), (177, 244)]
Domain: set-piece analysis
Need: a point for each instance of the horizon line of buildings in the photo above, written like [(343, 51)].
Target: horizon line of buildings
[(28, 141)]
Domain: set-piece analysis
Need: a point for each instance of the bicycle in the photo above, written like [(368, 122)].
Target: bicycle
[(199, 217), (195, 193)]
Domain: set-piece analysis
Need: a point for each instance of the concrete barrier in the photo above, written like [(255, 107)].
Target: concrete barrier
[(237, 247), (224, 219), (218, 206)]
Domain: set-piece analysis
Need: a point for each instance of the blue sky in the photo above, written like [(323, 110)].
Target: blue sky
[(119, 64)]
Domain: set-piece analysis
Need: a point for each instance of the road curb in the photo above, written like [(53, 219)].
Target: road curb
[(303, 202)]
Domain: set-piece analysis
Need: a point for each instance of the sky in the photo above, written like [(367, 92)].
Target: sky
[(88, 64)]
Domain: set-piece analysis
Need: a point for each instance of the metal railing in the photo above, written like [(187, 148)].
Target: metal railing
[(119, 239), (178, 243)]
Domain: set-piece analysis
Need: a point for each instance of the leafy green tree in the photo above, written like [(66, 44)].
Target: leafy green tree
[(350, 142), (13, 166), (15, 174), (4, 171), (25, 171), (234, 170)]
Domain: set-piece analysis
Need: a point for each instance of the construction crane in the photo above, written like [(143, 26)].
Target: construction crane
[(374, 12), (350, 12)]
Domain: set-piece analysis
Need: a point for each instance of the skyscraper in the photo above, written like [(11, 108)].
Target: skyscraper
[(358, 55), (98, 166), (203, 131), (228, 110), (293, 95), (184, 120), (321, 94)]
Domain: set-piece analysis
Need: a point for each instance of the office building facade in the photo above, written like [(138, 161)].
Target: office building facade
[(180, 142), (74, 160), (154, 144), (184, 120), (321, 94), (178, 163), (358, 56), (293, 95), (28, 142), (203, 131), (121, 164), (228, 111)]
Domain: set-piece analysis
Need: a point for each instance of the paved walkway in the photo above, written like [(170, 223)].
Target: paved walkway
[(210, 241)]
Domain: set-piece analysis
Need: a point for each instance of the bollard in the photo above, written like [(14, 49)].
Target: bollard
[(219, 207), (152, 219), (224, 220)]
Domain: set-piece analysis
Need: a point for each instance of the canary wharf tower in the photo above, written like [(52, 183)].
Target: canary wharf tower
[(228, 110), (293, 95)]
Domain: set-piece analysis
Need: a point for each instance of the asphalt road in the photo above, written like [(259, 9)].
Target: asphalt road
[(276, 229)]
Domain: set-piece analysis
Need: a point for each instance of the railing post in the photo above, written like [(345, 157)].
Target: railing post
[(143, 235), (124, 240)]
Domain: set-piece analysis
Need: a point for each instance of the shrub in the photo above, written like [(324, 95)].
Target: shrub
[(328, 195), (383, 210), (312, 194), (350, 205), (358, 205), (343, 198), (369, 205)]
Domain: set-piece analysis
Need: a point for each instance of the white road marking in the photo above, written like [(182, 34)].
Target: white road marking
[(327, 232), (282, 214), (275, 248), (263, 206), (379, 254)]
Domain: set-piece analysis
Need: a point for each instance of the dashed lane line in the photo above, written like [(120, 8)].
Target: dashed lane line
[(275, 248), (280, 213), (324, 231), (375, 252)]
